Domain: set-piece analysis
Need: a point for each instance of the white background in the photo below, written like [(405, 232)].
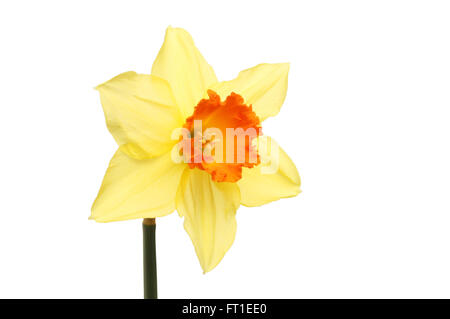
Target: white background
[(366, 120)]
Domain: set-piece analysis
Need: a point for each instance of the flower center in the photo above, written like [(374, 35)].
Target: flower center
[(221, 135)]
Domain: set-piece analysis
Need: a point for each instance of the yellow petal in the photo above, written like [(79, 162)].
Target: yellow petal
[(140, 113), (264, 86), (182, 65), (276, 177), (137, 188), (209, 210)]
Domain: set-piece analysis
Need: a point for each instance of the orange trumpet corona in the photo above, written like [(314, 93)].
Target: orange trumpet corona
[(223, 144)]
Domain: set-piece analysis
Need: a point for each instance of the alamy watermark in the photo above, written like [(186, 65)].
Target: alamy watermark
[(237, 146)]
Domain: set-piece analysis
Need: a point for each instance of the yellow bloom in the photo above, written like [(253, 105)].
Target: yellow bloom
[(144, 181)]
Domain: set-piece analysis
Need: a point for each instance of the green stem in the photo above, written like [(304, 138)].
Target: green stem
[(150, 278)]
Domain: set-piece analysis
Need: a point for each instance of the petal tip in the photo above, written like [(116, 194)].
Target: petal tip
[(171, 29), (283, 66), (120, 76)]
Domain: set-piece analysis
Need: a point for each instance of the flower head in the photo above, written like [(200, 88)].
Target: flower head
[(219, 160)]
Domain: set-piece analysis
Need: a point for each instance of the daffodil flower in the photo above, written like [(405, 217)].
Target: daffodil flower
[(144, 181)]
